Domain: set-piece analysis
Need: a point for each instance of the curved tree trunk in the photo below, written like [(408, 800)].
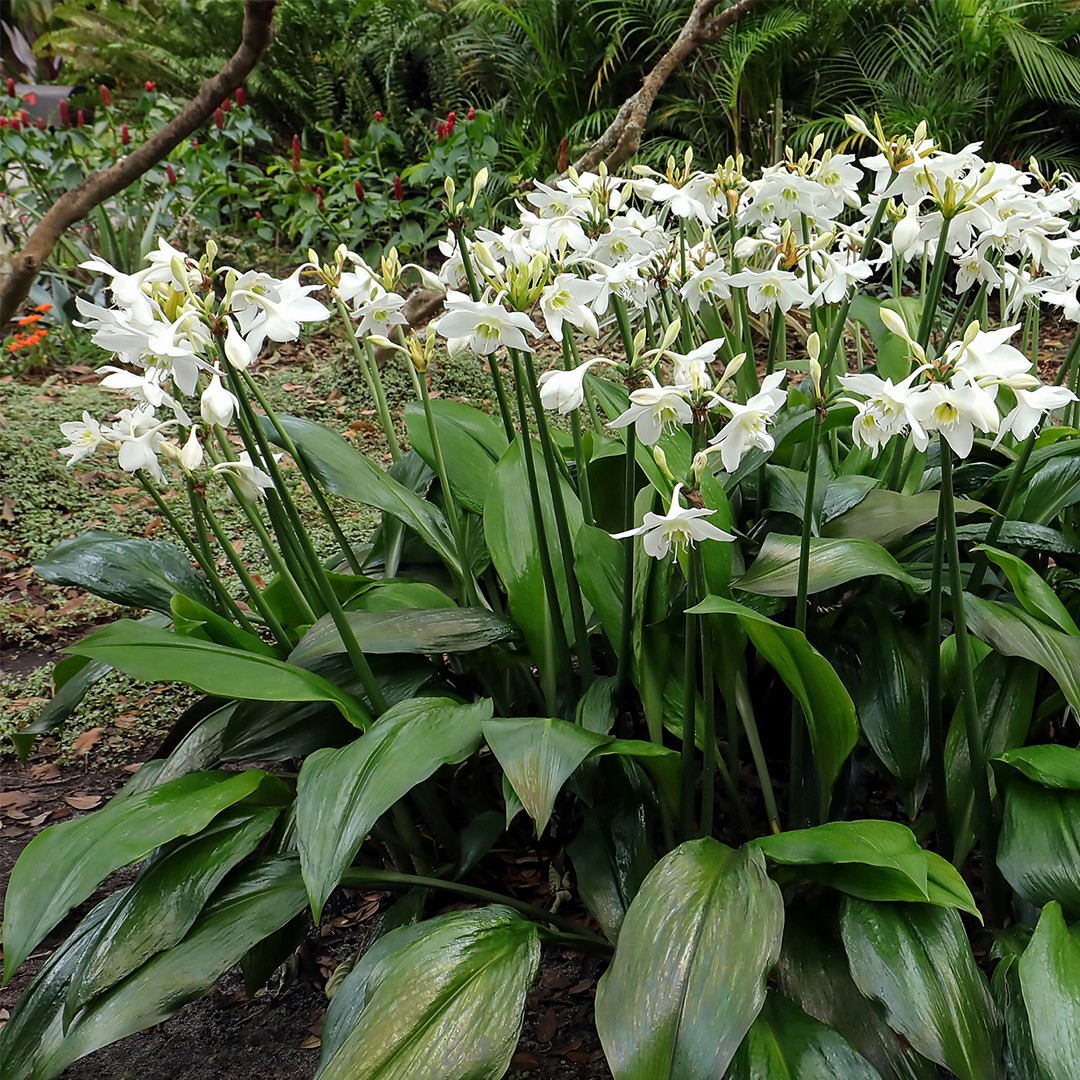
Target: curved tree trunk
[(621, 140), (75, 204)]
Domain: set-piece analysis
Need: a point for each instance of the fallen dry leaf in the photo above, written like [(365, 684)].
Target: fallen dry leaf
[(10, 799), (85, 742), (312, 1042), (81, 801)]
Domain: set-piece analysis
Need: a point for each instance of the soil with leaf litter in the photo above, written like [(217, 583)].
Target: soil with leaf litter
[(226, 1035)]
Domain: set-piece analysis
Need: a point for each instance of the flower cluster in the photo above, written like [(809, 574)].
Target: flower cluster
[(31, 332)]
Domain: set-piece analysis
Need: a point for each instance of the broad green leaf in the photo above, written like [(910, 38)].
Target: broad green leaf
[(890, 697), (846, 492), (129, 571), (826, 704), (161, 656), (688, 977), (342, 793), (1019, 1052), (197, 620), (600, 561), (160, 907), (1051, 766), (783, 1043), (280, 599), (1016, 633), (390, 595), (916, 960), (444, 1000), (471, 441), (1053, 485), (775, 572), (1005, 691), (1022, 534), (538, 756), (1050, 979), (515, 549), (1034, 594), (813, 973), (1039, 843), (888, 516), (65, 863), (247, 908), (440, 630), (350, 474)]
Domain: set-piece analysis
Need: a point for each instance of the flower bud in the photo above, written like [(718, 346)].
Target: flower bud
[(361, 194), (217, 405), (237, 350), (11, 87), (219, 119), (65, 114), (471, 114), (399, 188), (191, 456), (106, 96), (241, 99), (80, 118), (16, 124), (125, 135), (346, 151), (149, 86), (440, 131), (296, 153), (25, 117), (41, 123), (319, 196), (226, 105), (479, 183), (378, 117), (894, 323), (906, 232), (661, 463), (563, 155), (170, 172)]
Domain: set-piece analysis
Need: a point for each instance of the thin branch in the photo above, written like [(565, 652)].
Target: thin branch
[(94, 189), (622, 138)]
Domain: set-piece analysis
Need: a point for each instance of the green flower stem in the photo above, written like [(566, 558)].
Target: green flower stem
[(305, 471), (200, 553), (311, 557), (361, 877), (562, 527), (689, 710), (964, 310), (493, 363), (590, 398), (365, 360), (746, 378), (777, 341), (584, 488), (469, 591), (280, 635), (932, 296), (745, 707), (935, 723), (984, 809), (561, 646)]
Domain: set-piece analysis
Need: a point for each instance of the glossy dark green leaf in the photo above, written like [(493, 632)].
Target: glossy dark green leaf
[(538, 756), (441, 630), (888, 516), (813, 972), (1039, 843), (1051, 766), (127, 570), (600, 562), (688, 977), (390, 594), (1053, 486), (472, 442), (916, 960), (444, 1000), (1022, 534), (342, 793), (160, 907), (161, 656), (775, 572), (1050, 979), (248, 907), (515, 549), (65, 863), (827, 706), (890, 696), (1019, 1052), (1034, 594), (352, 475), (1016, 633), (783, 1043), (1005, 691), (845, 492)]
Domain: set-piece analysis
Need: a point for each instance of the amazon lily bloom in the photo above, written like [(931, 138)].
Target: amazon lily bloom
[(251, 481), (567, 299), (565, 390), (887, 410), (83, 435), (483, 327), (679, 528), (749, 423), (1031, 406), (655, 407), (956, 413), (217, 405), (773, 288)]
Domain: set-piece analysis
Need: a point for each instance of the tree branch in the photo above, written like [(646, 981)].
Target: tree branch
[(622, 138), (94, 189)]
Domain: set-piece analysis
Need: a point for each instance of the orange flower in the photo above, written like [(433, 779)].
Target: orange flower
[(29, 320), (43, 307)]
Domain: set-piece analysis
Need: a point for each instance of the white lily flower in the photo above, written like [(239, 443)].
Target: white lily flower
[(692, 368), (140, 437), (482, 326), (678, 528), (191, 455), (83, 435), (251, 481), (653, 408), (565, 390), (749, 423), (888, 409), (237, 351), (773, 288), (1031, 406), (269, 309), (987, 355), (956, 413), (706, 283), (567, 299), (379, 314), (217, 405)]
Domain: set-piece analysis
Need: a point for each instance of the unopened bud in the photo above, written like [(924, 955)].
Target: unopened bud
[(361, 194), (479, 183), (65, 114), (219, 119), (191, 456), (125, 135), (399, 188), (241, 101), (661, 463), (11, 87), (170, 172), (346, 150), (106, 97), (80, 118)]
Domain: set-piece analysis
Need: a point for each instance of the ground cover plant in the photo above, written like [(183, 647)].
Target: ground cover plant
[(772, 632)]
